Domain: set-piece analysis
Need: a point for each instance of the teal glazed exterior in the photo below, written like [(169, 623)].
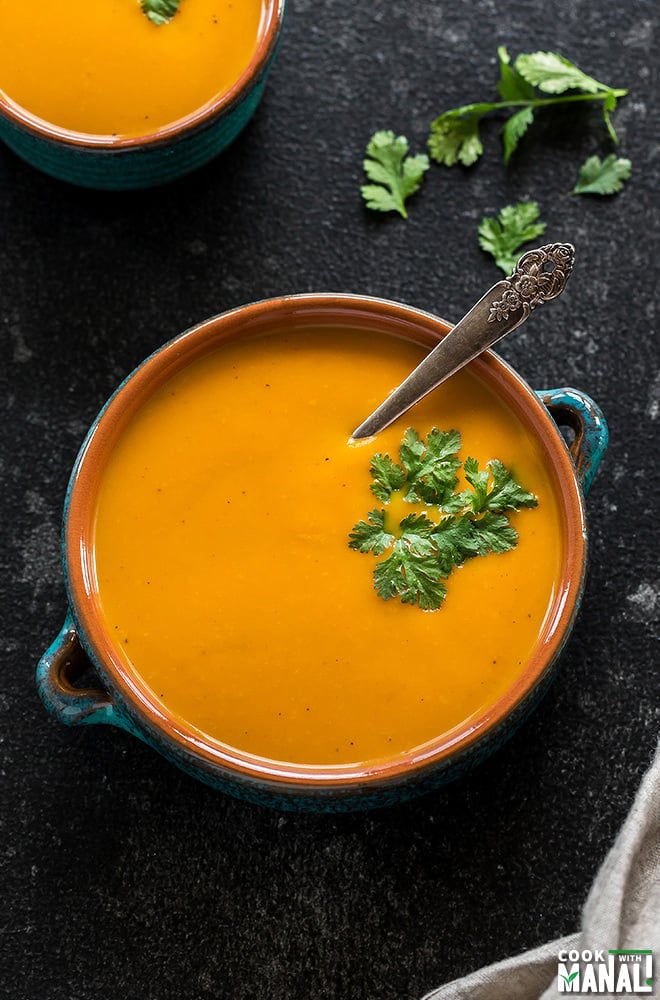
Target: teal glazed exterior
[(104, 163), (76, 648)]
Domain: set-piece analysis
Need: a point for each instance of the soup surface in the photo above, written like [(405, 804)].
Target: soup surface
[(103, 68), (224, 572)]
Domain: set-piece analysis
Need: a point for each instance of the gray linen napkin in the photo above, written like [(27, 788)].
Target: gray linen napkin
[(622, 911)]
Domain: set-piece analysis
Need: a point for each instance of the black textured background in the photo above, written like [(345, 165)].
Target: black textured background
[(120, 876)]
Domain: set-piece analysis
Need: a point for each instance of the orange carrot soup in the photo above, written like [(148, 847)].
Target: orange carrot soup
[(225, 576), (103, 68)]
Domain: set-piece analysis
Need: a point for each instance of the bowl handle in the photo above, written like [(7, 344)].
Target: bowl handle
[(63, 663), (574, 409)]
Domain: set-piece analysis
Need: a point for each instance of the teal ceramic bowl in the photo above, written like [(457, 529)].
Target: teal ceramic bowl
[(116, 163), (121, 699)]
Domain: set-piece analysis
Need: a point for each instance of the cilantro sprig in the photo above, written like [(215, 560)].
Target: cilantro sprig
[(424, 550), (454, 135), (395, 174), (160, 11)]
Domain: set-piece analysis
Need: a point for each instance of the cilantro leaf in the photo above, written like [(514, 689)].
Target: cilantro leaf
[(457, 503), (493, 533), (160, 11), (455, 541), (426, 549), (443, 445), (503, 236), (603, 176), (370, 535), (554, 74), (455, 135), (494, 487), (430, 468), (411, 452), (387, 476), (506, 493), (514, 129), (415, 579), (478, 481), (396, 174), (512, 86), (417, 530)]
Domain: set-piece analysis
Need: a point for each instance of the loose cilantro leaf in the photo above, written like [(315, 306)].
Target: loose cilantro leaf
[(454, 135), (603, 176), (396, 174), (502, 237), (468, 523), (160, 11)]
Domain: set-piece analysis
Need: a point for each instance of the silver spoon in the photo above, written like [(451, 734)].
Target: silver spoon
[(539, 275)]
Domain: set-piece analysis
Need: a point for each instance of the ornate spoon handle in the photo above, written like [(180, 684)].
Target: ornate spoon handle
[(540, 275)]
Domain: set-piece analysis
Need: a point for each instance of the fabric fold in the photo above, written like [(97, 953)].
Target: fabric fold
[(622, 911)]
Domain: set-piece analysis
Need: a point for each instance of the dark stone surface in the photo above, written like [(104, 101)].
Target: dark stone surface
[(122, 877)]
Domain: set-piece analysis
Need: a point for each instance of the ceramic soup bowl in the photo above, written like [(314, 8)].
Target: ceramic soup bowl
[(214, 590), (112, 100)]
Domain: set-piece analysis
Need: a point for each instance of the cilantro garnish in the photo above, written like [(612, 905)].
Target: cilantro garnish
[(423, 549), (455, 136), (603, 176), (514, 225), (396, 174), (160, 11), (427, 471)]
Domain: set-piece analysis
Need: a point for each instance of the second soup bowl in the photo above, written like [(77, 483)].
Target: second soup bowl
[(103, 97)]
